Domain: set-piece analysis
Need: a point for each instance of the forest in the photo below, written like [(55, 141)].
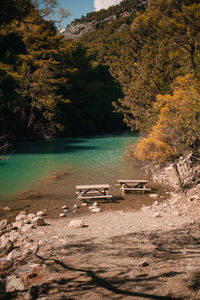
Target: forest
[(156, 60), (144, 69), (48, 85)]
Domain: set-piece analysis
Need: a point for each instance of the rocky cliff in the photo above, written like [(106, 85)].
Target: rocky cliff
[(77, 28)]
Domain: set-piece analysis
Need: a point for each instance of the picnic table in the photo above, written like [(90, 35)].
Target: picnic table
[(133, 185), (93, 191)]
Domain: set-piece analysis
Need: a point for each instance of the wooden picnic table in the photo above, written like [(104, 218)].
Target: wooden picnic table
[(133, 185), (93, 191)]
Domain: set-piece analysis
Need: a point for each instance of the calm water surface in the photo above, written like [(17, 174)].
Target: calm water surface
[(35, 165)]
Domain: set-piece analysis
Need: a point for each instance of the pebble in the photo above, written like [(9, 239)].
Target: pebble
[(62, 215), (40, 213), (96, 210), (153, 195), (6, 208)]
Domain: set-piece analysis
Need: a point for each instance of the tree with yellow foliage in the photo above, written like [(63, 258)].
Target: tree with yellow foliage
[(178, 126)]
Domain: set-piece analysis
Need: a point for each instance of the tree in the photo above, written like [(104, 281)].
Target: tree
[(178, 127)]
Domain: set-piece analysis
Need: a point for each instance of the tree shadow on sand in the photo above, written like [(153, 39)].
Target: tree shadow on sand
[(139, 265)]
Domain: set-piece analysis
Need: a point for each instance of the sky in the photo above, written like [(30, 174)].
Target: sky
[(82, 7)]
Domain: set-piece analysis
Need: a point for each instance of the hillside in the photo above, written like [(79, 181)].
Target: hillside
[(122, 13)]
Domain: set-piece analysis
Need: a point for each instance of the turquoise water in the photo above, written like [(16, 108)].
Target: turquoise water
[(87, 160)]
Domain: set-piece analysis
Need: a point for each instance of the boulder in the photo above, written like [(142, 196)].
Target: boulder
[(29, 218), (5, 264), (76, 224), (14, 283), (3, 224), (13, 255), (40, 213), (20, 217), (17, 225), (27, 227), (6, 244), (39, 221)]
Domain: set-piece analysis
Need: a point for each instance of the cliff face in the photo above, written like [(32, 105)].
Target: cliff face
[(76, 30), (78, 27)]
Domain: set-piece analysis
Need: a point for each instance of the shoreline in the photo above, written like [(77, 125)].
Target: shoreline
[(116, 247)]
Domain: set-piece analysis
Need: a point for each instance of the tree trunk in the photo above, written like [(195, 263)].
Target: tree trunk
[(178, 177)]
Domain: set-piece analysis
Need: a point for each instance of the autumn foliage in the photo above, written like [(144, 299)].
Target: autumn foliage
[(178, 126)]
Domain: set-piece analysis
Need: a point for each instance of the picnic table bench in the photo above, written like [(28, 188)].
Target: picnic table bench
[(133, 185), (93, 191)]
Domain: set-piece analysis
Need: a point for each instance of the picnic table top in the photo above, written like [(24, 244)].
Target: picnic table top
[(132, 181), (93, 186)]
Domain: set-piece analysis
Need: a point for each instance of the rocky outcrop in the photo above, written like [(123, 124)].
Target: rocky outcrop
[(76, 30), (189, 171)]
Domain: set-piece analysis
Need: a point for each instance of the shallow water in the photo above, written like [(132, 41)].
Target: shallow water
[(43, 174), (94, 158)]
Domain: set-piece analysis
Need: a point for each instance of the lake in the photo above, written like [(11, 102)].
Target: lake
[(49, 170)]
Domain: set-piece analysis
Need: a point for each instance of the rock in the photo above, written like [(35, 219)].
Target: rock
[(75, 206), (155, 203), (29, 218), (84, 204), (13, 255), (153, 195), (146, 208), (76, 224), (143, 264), (17, 225), (90, 207), (13, 283), (39, 221), (3, 224), (64, 207), (157, 215), (96, 210), (62, 215), (32, 195), (20, 217), (66, 210), (40, 213), (194, 197), (6, 208), (5, 264), (27, 227), (95, 204), (5, 244)]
